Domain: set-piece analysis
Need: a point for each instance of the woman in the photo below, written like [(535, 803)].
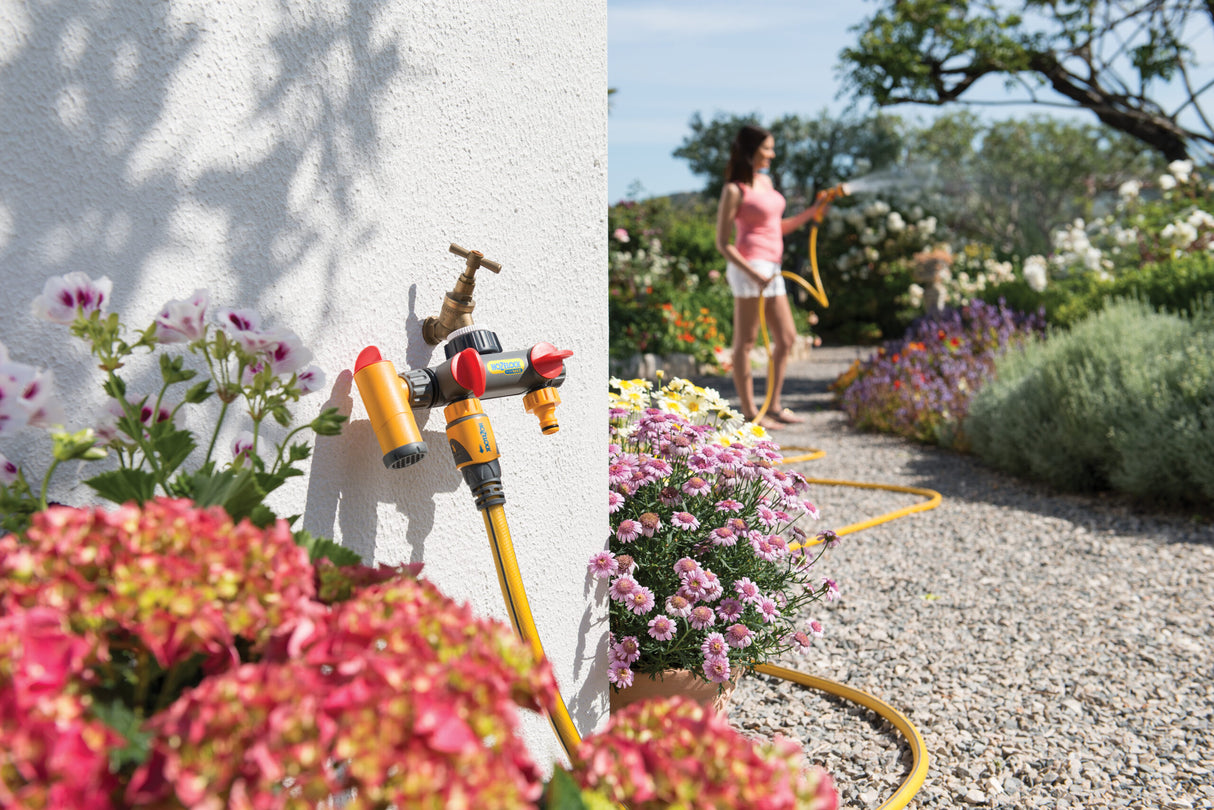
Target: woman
[(750, 201)]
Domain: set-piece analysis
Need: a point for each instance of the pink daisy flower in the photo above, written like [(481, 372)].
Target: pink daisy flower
[(739, 636), (650, 523), (802, 641), (723, 536), (678, 606), (661, 627), (728, 505), (730, 610), (767, 517), (619, 473), (620, 676), (814, 628), (714, 646), (701, 617), (621, 587), (748, 591), (717, 670), (686, 565), (832, 589), (627, 649), (685, 521), (628, 530), (614, 501), (695, 485), (810, 509), (768, 610), (603, 565), (736, 525), (669, 496), (640, 601)]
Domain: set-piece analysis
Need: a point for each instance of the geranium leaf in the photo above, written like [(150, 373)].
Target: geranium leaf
[(122, 485), (562, 793), (122, 718), (235, 490), (173, 446), (199, 392), (320, 548)]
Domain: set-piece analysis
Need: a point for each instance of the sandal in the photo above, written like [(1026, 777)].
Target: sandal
[(788, 417)]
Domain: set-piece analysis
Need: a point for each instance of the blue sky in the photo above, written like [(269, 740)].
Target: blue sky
[(668, 59)]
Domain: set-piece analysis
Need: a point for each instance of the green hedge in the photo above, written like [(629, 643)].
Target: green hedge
[(1124, 400)]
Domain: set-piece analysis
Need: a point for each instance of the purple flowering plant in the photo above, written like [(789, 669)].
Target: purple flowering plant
[(223, 357), (921, 386), (708, 569)]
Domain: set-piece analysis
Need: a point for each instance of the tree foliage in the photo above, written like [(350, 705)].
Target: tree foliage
[(1111, 57), (811, 153), (1010, 183)]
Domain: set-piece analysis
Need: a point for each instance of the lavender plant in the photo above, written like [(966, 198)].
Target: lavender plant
[(921, 386)]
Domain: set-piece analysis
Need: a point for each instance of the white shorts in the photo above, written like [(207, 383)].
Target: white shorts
[(743, 285)]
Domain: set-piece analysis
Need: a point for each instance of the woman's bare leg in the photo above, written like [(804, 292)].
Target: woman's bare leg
[(745, 332), (783, 333)]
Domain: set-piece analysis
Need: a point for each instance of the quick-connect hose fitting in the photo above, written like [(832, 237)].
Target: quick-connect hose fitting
[(475, 450), (542, 402)]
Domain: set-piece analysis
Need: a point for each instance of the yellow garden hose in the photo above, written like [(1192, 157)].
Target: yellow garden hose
[(515, 595), (919, 759)]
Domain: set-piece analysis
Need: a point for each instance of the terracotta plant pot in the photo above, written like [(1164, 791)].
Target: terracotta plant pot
[(682, 682)]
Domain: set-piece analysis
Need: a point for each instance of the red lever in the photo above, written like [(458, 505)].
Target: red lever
[(469, 371), (548, 361), (366, 357)]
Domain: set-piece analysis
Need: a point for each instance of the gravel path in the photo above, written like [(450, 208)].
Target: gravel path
[(1053, 650)]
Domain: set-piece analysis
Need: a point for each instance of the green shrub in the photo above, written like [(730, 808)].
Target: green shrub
[(1124, 400)]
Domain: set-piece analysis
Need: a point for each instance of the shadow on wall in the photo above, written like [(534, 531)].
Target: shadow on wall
[(116, 128), (140, 137)]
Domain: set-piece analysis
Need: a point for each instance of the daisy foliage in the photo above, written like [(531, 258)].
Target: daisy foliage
[(708, 566)]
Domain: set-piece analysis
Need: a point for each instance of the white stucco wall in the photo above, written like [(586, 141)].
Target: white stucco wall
[(313, 160)]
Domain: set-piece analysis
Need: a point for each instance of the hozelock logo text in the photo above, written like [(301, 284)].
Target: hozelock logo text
[(506, 367)]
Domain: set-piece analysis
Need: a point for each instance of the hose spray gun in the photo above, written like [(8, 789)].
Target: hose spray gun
[(476, 368), (829, 195)]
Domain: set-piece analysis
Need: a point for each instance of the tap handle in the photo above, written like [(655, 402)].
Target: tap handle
[(475, 259)]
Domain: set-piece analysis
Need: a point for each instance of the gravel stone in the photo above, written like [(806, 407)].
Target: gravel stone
[(1054, 650)]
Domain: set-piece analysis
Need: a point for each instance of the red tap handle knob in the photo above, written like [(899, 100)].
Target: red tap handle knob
[(548, 361), (469, 371)]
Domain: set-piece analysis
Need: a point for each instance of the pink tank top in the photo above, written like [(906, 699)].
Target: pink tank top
[(758, 221)]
